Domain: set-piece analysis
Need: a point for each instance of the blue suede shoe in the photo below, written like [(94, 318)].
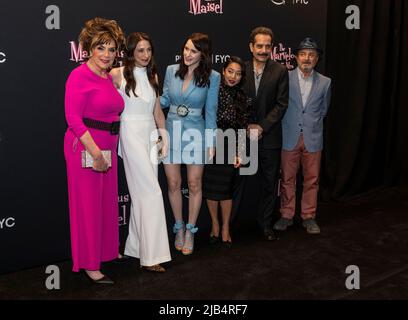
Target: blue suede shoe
[(179, 230), (188, 247)]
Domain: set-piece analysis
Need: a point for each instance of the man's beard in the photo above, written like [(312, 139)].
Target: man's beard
[(307, 68)]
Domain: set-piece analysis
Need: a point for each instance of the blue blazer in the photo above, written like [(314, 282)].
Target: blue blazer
[(195, 98), (308, 120)]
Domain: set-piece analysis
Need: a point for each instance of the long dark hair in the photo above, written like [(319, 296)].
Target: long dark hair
[(129, 63), (240, 96), (202, 73)]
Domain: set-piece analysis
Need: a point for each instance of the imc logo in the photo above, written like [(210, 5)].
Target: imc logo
[(7, 223), (206, 6), (281, 2)]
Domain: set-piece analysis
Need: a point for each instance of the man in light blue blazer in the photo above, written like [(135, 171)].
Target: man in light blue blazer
[(302, 134)]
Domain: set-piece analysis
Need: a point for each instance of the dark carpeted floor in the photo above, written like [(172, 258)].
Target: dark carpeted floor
[(370, 232)]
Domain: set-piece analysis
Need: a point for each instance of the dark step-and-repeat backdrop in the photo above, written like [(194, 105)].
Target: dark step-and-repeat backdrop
[(38, 49)]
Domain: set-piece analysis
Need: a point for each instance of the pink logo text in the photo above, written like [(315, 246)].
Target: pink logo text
[(206, 6)]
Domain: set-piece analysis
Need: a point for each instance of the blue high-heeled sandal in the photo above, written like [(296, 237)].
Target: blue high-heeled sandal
[(179, 230), (188, 246)]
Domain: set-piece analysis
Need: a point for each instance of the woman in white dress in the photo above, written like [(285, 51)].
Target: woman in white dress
[(141, 122)]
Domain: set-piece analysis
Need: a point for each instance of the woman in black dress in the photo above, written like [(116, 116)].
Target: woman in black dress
[(219, 178)]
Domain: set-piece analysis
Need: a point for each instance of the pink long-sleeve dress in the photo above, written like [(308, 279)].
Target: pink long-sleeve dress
[(93, 196)]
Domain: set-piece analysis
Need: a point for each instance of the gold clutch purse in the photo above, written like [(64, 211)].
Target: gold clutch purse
[(87, 160)]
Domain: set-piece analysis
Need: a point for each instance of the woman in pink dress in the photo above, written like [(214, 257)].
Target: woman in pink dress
[(92, 109)]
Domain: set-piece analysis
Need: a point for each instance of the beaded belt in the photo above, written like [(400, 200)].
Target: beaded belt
[(112, 127)]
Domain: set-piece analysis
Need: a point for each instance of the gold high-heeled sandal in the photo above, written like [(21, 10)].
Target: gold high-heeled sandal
[(155, 268)]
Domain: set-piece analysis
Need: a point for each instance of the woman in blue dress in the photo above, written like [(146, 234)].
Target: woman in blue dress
[(190, 91)]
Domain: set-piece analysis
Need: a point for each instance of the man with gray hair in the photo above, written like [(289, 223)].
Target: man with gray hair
[(309, 99)]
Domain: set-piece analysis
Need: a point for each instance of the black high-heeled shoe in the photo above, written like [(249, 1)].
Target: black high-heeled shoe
[(122, 259), (104, 280), (214, 239), (227, 244)]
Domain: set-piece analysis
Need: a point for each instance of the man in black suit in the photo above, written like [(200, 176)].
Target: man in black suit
[(267, 87)]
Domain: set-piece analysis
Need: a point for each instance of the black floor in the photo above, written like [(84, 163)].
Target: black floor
[(370, 232)]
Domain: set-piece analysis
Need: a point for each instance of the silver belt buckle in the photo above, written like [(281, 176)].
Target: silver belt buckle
[(182, 110)]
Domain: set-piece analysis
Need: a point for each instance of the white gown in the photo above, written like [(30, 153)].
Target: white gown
[(147, 238)]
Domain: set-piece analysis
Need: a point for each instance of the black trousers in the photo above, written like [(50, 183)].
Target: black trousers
[(269, 168)]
